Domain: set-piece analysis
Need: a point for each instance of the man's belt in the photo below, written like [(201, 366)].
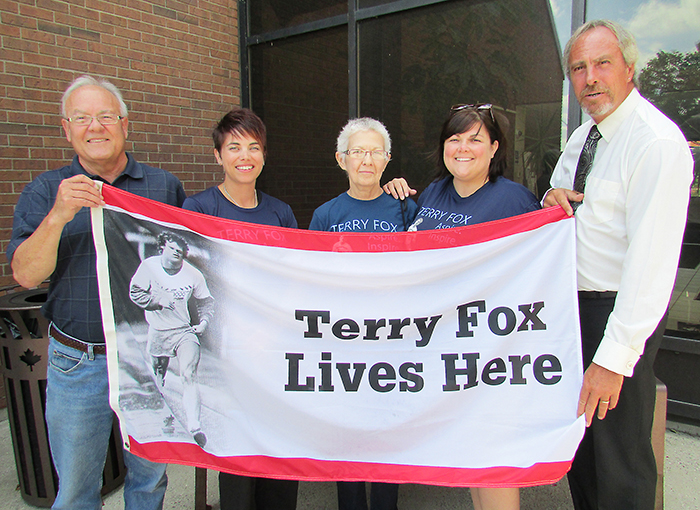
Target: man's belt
[(593, 294), (74, 342)]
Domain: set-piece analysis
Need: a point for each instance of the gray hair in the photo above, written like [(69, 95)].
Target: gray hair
[(625, 41), (84, 80), (362, 124)]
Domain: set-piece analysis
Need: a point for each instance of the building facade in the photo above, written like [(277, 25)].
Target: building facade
[(306, 66), (176, 62)]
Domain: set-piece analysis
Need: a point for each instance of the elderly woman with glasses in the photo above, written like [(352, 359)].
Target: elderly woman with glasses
[(363, 152), (469, 188)]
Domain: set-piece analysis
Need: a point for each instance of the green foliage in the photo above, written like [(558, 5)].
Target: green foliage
[(671, 81)]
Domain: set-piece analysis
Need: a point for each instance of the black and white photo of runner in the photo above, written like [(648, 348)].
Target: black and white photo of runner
[(147, 391), (163, 286)]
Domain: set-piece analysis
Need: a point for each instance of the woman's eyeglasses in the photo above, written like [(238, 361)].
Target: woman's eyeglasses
[(377, 154)]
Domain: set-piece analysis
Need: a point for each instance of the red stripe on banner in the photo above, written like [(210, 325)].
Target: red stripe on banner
[(311, 470), (264, 235)]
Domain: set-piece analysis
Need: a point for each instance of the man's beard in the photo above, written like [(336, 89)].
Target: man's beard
[(602, 108)]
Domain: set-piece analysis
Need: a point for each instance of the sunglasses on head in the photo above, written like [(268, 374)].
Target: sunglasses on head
[(483, 106)]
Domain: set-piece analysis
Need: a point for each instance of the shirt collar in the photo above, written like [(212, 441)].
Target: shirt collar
[(610, 124), (133, 169)]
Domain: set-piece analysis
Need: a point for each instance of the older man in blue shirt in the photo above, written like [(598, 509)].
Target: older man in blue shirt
[(52, 238)]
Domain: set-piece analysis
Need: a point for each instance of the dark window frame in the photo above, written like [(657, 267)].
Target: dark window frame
[(352, 19)]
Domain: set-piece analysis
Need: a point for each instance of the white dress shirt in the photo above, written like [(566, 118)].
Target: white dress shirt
[(630, 226)]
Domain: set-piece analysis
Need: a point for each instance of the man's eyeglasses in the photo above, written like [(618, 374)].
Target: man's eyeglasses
[(377, 154), (484, 106), (106, 119)]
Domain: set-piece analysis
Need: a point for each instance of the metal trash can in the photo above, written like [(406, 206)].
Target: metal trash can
[(24, 345)]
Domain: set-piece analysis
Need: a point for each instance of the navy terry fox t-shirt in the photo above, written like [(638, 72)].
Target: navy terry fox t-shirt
[(440, 206), (270, 210), (347, 214)]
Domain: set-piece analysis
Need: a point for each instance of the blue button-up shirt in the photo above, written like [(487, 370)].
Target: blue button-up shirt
[(73, 301)]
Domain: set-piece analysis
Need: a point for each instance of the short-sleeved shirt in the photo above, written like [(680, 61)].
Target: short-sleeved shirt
[(269, 211), (73, 301), (347, 214), (440, 206), (151, 283)]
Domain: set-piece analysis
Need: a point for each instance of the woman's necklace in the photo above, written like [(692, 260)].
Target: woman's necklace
[(236, 203)]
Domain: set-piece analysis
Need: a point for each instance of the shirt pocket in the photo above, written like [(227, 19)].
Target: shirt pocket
[(600, 197)]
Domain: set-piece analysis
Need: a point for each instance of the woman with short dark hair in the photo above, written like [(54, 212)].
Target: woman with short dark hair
[(240, 147)]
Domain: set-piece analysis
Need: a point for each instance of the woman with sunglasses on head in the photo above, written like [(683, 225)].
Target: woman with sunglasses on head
[(469, 188), (363, 152), (240, 147)]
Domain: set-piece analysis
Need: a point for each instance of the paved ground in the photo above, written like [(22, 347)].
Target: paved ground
[(681, 483)]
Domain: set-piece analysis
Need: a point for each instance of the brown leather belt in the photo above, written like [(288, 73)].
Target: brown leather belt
[(74, 343)]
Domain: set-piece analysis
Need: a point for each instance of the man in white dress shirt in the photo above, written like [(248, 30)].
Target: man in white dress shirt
[(629, 228)]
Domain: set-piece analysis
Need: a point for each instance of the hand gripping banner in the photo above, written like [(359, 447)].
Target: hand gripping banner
[(446, 357)]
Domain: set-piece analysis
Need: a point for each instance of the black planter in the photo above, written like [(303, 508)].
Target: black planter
[(678, 366)]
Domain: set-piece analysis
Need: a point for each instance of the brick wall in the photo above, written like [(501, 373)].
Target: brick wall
[(176, 62)]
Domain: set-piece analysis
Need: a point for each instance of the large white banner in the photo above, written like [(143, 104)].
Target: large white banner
[(446, 357)]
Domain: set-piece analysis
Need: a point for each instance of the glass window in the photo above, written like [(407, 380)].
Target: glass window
[(269, 15), (414, 65), (300, 90), (668, 73)]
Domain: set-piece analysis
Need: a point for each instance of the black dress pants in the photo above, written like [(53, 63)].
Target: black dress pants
[(382, 496), (614, 467), (249, 493)]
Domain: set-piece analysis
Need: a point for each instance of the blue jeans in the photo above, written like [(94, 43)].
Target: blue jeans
[(79, 421)]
